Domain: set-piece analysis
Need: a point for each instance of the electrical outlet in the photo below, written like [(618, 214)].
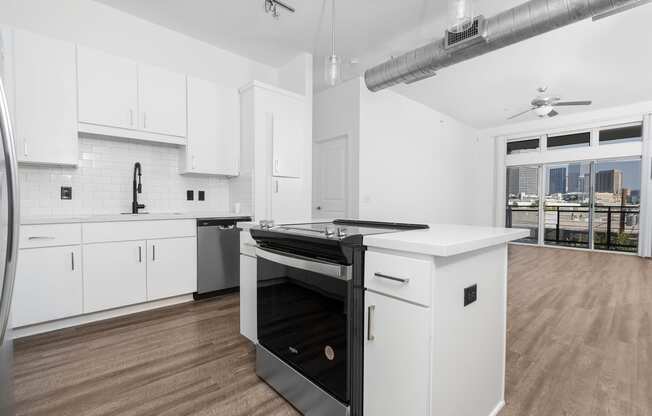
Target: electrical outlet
[(190, 195), (201, 195), (66, 192), (470, 295)]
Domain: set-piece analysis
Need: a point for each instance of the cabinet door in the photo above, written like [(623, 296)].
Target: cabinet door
[(48, 285), (46, 99), (213, 129), (288, 200), (162, 99), (171, 267), (287, 142), (114, 275), (108, 89), (396, 359), (248, 298)]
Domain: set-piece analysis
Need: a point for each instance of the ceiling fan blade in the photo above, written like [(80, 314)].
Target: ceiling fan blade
[(521, 113), (553, 113), (569, 103)]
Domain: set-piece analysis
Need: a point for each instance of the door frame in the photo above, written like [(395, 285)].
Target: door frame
[(347, 165)]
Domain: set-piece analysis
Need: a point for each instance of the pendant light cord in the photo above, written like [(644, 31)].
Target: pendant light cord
[(333, 30)]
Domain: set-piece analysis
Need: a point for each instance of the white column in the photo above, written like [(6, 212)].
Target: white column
[(645, 236)]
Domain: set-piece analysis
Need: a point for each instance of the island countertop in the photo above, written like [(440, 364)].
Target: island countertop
[(445, 239)]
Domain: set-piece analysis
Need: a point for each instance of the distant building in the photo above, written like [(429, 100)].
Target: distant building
[(557, 183), (523, 180), (609, 181), (575, 180)]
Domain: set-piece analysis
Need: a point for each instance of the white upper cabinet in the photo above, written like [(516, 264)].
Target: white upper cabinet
[(213, 129), (119, 97), (287, 137), (45, 99), (108, 89), (162, 101)]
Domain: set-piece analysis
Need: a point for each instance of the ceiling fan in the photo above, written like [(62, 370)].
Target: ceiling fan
[(544, 105)]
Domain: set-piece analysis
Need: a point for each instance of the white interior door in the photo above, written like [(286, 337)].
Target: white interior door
[(330, 159)]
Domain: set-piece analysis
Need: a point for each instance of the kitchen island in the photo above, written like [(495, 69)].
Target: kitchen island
[(425, 316), (435, 321)]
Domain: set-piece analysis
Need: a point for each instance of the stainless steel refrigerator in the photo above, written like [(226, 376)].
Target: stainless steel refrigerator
[(9, 221)]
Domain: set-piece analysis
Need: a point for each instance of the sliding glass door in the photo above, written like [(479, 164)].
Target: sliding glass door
[(617, 205), (523, 201), (583, 204), (567, 205)]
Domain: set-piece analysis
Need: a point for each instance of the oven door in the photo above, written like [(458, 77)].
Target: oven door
[(303, 312)]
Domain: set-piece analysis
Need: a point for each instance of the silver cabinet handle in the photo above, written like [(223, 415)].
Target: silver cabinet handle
[(371, 310), (144, 120), (193, 161), (276, 189), (72, 260), (40, 237), (153, 252), (140, 254), (392, 278), (131, 117), (276, 166)]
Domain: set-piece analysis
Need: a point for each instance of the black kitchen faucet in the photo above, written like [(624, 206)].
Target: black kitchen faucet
[(137, 189)]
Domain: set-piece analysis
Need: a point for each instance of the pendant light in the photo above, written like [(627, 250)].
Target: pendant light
[(333, 63), (460, 14)]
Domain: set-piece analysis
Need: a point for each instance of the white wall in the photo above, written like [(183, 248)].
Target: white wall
[(109, 162), (336, 113), (414, 163), (103, 182), (417, 164)]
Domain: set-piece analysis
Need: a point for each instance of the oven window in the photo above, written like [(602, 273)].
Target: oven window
[(302, 319)]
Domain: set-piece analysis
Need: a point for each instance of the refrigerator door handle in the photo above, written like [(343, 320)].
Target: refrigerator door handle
[(13, 214)]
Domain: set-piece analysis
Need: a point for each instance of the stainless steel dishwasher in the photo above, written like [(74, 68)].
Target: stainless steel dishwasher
[(218, 257)]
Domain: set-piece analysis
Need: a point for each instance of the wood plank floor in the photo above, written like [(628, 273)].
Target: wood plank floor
[(579, 343)]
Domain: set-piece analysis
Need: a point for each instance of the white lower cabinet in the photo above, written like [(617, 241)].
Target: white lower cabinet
[(396, 357), (171, 267), (248, 298), (115, 274), (48, 285)]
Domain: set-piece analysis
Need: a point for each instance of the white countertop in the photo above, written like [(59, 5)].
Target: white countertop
[(155, 216), (445, 239)]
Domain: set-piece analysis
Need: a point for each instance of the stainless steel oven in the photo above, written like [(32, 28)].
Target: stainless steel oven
[(303, 319), (311, 312)]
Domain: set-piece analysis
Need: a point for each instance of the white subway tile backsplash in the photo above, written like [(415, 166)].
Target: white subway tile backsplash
[(103, 179)]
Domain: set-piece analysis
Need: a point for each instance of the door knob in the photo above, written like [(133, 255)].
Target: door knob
[(318, 208)]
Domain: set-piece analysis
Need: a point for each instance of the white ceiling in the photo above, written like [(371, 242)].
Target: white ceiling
[(607, 61)]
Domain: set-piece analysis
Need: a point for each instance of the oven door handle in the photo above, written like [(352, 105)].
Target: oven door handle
[(305, 263)]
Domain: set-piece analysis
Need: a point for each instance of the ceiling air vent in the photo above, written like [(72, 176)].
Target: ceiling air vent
[(473, 34)]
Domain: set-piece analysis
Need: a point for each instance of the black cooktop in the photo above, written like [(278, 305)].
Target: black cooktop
[(340, 229), (332, 240)]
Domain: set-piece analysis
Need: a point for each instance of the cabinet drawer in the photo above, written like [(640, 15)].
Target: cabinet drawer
[(101, 232), (49, 235), (405, 278)]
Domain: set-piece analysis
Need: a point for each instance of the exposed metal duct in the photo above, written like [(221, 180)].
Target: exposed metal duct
[(511, 26)]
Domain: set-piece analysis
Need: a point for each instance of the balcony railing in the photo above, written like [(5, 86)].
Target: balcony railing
[(615, 228)]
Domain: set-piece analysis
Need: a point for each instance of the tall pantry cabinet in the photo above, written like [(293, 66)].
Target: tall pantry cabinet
[(275, 172)]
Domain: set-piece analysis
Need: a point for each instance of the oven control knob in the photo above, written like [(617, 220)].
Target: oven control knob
[(341, 232), (266, 224), (329, 232)]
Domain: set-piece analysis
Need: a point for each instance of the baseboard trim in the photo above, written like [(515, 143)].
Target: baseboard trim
[(97, 316), (498, 408)]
